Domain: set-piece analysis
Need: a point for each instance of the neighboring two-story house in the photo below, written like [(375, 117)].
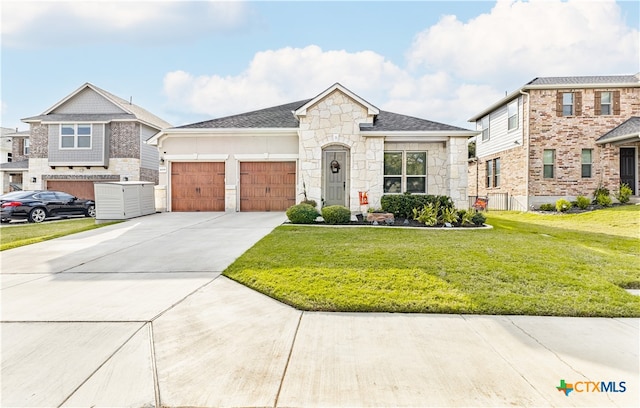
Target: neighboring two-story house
[(15, 161), (559, 137), (90, 136)]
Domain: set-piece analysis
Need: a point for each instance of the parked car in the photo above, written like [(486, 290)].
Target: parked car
[(36, 206)]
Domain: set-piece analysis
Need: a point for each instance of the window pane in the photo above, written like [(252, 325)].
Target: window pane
[(392, 163), (392, 185), (548, 171), (68, 130), (84, 129), (416, 184), (586, 156), (586, 170), (567, 110), (417, 163), (548, 156), (605, 110), (84, 141), (513, 108), (513, 122), (67, 141), (605, 97), (567, 98)]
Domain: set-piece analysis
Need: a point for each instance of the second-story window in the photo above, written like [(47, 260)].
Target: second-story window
[(25, 147), (484, 125), (75, 136), (513, 115), (607, 103), (569, 104)]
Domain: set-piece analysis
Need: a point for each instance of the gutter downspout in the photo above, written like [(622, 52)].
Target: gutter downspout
[(527, 144)]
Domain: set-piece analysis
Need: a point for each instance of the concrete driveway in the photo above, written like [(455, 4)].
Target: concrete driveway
[(137, 315)]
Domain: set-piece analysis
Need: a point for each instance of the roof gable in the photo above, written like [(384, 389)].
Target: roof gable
[(628, 130), (302, 111)]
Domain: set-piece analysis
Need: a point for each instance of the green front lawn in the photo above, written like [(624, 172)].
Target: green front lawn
[(16, 235), (566, 265)]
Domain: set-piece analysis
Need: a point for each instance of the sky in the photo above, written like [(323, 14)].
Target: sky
[(190, 61)]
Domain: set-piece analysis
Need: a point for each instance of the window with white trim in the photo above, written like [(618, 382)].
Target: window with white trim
[(512, 110), (75, 136), (587, 162), (567, 104), (405, 172), (493, 173), (25, 147), (606, 101), (548, 163), (484, 126)]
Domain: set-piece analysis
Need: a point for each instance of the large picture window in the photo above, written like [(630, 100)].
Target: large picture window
[(405, 172), (75, 136)]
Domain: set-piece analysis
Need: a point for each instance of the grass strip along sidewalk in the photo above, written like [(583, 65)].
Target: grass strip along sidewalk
[(16, 235), (527, 264)]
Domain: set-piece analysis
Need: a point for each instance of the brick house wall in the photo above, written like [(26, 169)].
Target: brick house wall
[(39, 148), (125, 140), (568, 136)]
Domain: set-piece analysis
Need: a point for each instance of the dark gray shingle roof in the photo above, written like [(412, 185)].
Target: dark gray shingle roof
[(16, 165), (578, 80), (275, 117), (282, 117), (630, 127)]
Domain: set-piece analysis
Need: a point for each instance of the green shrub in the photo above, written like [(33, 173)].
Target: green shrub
[(312, 203), (466, 217), (302, 214), (547, 207), (336, 214), (478, 218), (428, 215), (601, 196), (624, 193), (563, 205), (449, 215), (402, 205), (582, 202)]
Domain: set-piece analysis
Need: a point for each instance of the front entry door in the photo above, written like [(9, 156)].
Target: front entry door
[(628, 167), (335, 179)]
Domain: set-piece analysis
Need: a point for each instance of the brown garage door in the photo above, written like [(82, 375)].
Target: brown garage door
[(80, 189), (197, 186), (267, 186)]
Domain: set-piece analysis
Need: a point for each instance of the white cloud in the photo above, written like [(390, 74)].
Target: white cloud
[(45, 23), (522, 40)]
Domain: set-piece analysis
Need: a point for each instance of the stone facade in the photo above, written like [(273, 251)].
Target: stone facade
[(335, 121), (39, 137)]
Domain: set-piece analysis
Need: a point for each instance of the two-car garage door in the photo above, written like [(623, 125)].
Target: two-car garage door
[(264, 186)]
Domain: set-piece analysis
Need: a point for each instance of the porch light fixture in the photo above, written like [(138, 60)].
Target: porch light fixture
[(33, 179)]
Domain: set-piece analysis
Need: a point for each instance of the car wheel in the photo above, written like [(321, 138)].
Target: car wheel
[(91, 211), (37, 215)]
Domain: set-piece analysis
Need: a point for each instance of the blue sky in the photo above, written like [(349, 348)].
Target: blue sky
[(192, 61)]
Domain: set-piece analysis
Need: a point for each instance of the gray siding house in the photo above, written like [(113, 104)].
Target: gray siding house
[(91, 136)]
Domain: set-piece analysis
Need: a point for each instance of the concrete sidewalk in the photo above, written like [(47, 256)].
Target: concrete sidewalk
[(137, 314)]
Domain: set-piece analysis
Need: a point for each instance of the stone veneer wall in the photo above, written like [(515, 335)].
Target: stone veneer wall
[(149, 175), (17, 148), (335, 121), (39, 147), (568, 136), (457, 177)]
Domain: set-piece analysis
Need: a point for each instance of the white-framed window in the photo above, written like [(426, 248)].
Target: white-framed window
[(606, 103), (587, 162), (549, 161), (489, 173), (75, 136), (512, 110), (484, 126), (567, 104), (405, 171), (25, 147)]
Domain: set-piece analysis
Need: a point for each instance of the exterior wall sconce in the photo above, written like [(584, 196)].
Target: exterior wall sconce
[(33, 179), (125, 179), (162, 160), (335, 166)]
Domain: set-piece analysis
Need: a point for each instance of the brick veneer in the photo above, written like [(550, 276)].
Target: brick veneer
[(568, 136)]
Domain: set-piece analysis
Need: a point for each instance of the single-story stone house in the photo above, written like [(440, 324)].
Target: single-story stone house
[(332, 148)]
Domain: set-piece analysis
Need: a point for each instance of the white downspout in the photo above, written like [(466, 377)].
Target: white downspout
[(526, 145)]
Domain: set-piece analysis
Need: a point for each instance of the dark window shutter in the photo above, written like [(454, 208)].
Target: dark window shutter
[(616, 102), (577, 102), (559, 103), (598, 103)]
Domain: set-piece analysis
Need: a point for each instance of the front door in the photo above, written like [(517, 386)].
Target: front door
[(335, 177), (628, 167)]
